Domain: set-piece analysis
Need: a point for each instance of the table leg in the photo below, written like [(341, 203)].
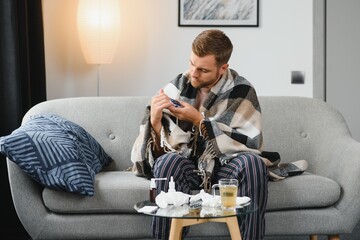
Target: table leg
[(176, 229), (177, 225), (233, 226)]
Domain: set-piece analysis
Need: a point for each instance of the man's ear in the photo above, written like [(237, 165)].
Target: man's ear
[(223, 68)]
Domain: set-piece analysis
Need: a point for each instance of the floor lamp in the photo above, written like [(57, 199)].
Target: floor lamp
[(98, 23)]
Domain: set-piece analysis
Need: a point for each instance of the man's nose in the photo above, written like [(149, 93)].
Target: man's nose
[(194, 73)]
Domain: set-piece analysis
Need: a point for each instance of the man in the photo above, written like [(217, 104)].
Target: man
[(215, 133)]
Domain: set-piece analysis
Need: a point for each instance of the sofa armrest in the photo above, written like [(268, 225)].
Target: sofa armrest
[(340, 161), (27, 198)]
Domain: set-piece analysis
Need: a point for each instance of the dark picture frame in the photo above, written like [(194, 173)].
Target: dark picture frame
[(217, 13)]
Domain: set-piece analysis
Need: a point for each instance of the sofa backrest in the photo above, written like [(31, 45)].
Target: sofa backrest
[(302, 128), (113, 121), (296, 127)]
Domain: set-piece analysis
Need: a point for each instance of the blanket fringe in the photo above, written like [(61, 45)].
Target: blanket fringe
[(206, 166), (206, 177)]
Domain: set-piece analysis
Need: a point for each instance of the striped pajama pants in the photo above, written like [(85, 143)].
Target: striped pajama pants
[(248, 168)]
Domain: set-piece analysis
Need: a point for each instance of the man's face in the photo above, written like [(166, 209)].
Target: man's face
[(204, 73)]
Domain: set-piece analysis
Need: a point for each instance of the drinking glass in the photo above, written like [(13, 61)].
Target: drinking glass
[(228, 193)]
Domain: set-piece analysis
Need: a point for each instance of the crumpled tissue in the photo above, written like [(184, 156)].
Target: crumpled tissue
[(215, 200), (207, 211), (207, 199), (242, 201), (179, 198), (173, 211), (175, 198)]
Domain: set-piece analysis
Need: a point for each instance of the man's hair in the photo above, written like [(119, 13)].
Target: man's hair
[(213, 42)]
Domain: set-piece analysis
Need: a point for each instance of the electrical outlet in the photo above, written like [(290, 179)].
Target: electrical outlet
[(297, 77)]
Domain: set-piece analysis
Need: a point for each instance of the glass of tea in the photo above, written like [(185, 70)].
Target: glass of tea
[(228, 193)]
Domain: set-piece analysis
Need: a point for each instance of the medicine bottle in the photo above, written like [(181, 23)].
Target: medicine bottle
[(153, 188)]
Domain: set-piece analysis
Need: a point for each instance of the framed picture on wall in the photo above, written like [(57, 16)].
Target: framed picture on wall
[(220, 13)]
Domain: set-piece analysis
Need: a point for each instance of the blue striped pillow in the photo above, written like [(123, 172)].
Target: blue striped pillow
[(57, 153)]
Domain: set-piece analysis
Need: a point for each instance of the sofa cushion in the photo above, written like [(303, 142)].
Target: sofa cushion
[(116, 191), (57, 153), (119, 191), (303, 191)]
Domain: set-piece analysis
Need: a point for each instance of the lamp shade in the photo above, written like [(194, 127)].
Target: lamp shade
[(98, 23)]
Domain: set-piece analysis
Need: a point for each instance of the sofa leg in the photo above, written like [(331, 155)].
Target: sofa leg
[(330, 237), (313, 237)]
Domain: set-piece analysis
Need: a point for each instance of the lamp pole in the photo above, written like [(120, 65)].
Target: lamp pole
[(98, 80), (98, 23)]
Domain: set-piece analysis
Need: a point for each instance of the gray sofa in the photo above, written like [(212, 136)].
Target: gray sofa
[(323, 200)]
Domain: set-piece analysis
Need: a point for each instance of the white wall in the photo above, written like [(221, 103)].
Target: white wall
[(343, 61), (153, 49)]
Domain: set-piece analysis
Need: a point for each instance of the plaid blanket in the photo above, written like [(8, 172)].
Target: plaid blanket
[(232, 124)]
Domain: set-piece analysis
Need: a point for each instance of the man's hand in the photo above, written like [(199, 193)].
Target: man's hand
[(187, 113), (158, 103)]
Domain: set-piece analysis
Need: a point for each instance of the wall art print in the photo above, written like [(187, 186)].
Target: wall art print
[(221, 13)]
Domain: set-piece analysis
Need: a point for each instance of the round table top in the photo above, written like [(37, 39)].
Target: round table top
[(186, 212)]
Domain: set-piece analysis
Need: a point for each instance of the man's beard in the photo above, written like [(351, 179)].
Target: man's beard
[(198, 84)]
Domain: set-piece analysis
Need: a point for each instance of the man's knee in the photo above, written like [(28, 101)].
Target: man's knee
[(168, 158), (252, 162), (165, 164)]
